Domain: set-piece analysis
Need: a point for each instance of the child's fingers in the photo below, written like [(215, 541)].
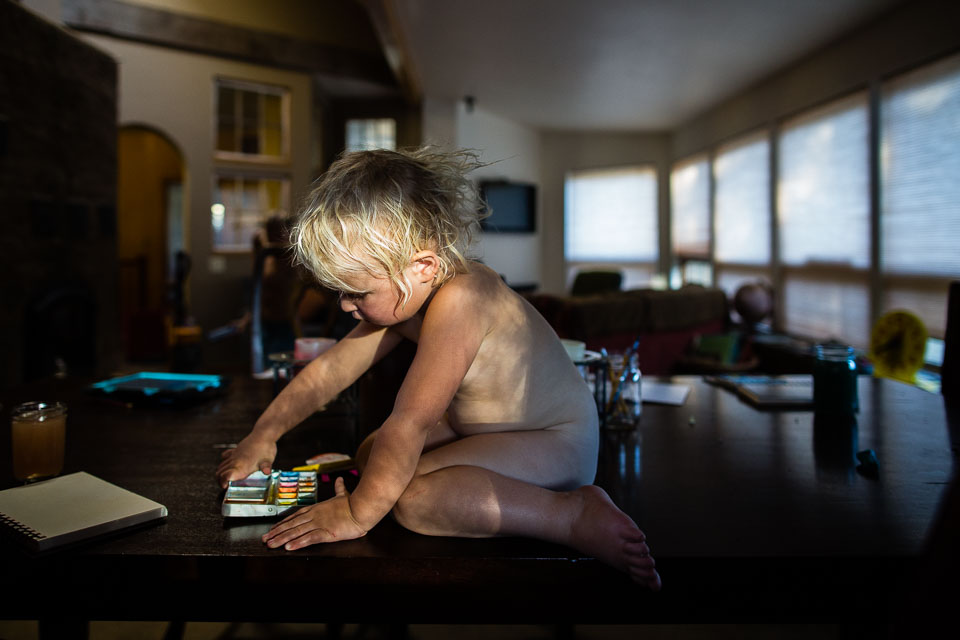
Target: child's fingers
[(228, 472), (281, 532), (339, 487)]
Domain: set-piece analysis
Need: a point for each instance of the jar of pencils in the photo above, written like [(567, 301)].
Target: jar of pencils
[(624, 406)]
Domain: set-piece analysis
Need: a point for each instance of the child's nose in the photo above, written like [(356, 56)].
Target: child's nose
[(347, 305)]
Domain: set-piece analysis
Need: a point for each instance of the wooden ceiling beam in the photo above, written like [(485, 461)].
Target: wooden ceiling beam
[(383, 17), (177, 31)]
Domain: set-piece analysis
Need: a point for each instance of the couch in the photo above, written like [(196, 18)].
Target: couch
[(666, 322)]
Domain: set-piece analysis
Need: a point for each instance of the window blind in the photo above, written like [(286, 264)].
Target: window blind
[(834, 308), (611, 215), (690, 207), (742, 201), (823, 213), (920, 165), (823, 189)]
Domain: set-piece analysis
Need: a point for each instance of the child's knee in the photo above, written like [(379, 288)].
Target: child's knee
[(411, 509)]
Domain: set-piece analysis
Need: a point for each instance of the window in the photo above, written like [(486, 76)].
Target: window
[(824, 221), (690, 197), (252, 128), (241, 204), (690, 219), (741, 212), (610, 218), (374, 133), (832, 257), (920, 190), (252, 121), (742, 202)]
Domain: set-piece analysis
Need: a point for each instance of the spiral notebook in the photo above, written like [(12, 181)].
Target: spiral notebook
[(71, 508)]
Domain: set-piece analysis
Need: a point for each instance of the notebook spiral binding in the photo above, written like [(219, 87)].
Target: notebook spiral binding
[(19, 527)]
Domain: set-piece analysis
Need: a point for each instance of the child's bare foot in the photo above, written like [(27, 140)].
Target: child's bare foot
[(608, 534)]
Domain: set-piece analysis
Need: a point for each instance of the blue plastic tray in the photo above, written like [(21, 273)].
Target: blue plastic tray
[(162, 387)]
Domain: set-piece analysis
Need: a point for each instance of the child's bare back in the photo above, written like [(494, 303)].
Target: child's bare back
[(493, 431)]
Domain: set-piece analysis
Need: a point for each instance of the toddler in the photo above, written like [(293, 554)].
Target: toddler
[(493, 432)]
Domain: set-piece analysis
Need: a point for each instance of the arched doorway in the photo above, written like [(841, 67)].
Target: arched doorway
[(150, 232)]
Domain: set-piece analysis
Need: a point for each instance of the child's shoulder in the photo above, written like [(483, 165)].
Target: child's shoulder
[(475, 289), (480, 280)]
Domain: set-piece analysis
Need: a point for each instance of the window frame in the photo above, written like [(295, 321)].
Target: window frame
[(248, 175), (262, 89), (635, 271), (881, 284)]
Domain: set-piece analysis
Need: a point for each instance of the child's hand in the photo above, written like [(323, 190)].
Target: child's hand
[(250, 455), (327, 521)]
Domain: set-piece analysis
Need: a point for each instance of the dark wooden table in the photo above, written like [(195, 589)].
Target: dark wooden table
[(753, 516)]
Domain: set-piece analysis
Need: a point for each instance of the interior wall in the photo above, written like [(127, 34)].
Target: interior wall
[(174, 91), (439, 122), (562, 152), (513, 151)]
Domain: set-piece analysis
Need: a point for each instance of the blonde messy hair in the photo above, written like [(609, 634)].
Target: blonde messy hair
[(373, 210)]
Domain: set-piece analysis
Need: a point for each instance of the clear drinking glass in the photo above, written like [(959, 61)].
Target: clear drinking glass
[(835, 380), (38, 432), (624, 406)]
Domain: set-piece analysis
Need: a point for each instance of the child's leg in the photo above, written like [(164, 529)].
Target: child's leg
[(470, 501), (491, 485)]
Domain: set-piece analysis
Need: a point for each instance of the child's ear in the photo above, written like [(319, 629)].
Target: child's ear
[(425, 265)]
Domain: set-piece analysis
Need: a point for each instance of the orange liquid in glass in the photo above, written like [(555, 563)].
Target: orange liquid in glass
[(38, 447)]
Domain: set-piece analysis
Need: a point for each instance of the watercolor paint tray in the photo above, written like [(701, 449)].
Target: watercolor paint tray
[(161, 387), (260, 494)]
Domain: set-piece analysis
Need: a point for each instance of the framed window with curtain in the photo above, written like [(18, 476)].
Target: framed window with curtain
[(823, 213), (610, 219), (920, 191), (741, 211)]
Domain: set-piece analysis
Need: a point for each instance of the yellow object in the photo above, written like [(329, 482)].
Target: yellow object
[(897, 344), (328, 462)]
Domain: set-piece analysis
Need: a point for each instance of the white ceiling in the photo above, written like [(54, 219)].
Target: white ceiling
[(612, 64)]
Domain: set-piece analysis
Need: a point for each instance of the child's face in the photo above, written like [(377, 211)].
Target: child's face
[(379, 302)]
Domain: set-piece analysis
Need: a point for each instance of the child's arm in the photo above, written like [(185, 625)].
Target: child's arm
[(307, 392), (450, 337)]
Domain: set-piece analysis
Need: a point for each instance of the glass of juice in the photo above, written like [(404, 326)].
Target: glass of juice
[(38, 430)]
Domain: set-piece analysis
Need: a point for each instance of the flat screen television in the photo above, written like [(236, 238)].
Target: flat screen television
[(512, 206)]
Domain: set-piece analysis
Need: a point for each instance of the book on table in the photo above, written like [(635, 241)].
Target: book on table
[(769, 391), (71, 508)]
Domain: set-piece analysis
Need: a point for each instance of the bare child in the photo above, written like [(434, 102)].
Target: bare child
[(493, 432)]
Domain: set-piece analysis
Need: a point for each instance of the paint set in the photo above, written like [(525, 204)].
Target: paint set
[(270, 494)]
